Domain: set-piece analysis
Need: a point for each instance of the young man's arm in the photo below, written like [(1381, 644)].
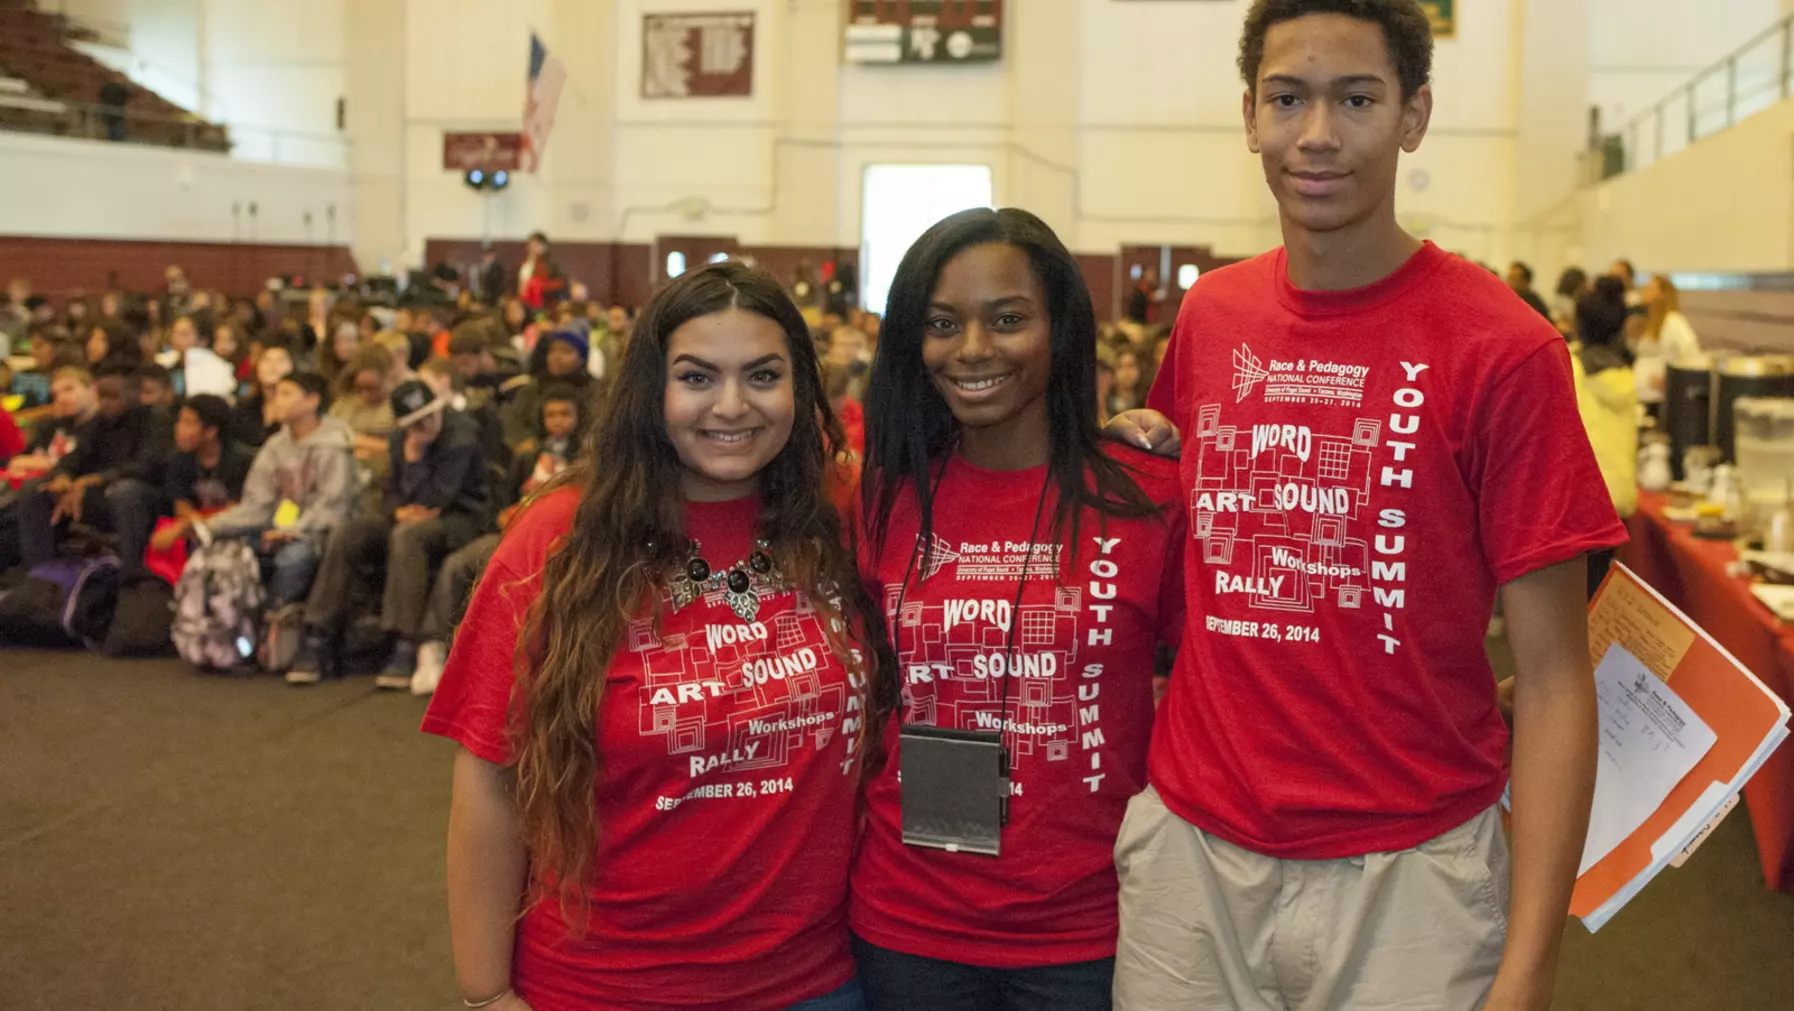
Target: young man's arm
[(1555, 736), (255, 507)]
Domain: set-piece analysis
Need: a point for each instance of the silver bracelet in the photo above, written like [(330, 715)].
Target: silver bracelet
[(488, 1002)]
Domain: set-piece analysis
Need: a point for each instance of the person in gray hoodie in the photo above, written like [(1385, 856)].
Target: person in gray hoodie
[(301, 486)]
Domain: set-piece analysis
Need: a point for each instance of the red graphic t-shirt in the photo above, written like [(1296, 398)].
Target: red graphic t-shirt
[(726, 799), (1079, 707), (1362, 470)]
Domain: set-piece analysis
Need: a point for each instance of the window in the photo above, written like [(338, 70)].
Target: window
[(675, 264), (900, 202), (1187, 275)]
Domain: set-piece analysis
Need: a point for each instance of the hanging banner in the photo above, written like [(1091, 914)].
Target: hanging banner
[(1443, 15), (923, 31), (698, 55)]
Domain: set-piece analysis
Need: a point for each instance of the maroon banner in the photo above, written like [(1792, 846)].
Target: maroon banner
[(698, 55), (487, 151)]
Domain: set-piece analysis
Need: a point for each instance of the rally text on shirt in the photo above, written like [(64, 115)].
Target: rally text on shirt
[(1361, 470), (1049, 641)]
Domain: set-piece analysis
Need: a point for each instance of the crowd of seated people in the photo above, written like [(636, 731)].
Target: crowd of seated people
[(350, 445)]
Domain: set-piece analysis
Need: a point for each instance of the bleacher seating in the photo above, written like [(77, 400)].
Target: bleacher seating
[(49, 86)]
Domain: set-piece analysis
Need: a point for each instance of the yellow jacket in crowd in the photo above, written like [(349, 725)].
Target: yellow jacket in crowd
[(1608, 401)]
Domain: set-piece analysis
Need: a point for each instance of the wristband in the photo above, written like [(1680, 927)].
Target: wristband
[(488, 1002)]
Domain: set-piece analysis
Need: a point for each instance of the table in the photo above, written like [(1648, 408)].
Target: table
[(1692, 573)]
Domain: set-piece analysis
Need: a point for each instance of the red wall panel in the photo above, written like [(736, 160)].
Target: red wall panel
[(59, 267)]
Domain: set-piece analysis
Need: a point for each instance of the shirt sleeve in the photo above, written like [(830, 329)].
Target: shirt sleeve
[(1163, 395), (1539, 493), (472, 704)]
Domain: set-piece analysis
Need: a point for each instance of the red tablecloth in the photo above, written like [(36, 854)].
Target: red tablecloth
[(1691, 572)]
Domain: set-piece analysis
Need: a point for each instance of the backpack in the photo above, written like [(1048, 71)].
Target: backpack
[(217, 603), (142, 620), (282, 638), (63, 602)]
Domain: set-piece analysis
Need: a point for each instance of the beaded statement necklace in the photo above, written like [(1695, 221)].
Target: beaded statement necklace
[(742, 584)]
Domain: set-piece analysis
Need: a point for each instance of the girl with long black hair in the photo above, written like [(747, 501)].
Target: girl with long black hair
[(656, 689), (1027, 571)]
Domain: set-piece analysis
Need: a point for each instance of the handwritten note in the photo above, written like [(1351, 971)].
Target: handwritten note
[(1626, 613), (1688, 850), (1650, 739)]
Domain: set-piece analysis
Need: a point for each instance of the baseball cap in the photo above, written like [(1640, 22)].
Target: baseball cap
[(413, 401)]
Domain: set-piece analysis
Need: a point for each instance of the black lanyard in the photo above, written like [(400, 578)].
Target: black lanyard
[(1015, 610)]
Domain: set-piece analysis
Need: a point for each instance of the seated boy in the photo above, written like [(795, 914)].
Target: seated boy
[(436, 502), (207, 471), (536, 463), (112, 479), (51, 347), (158, 386), (73, 405), (444, 380), (300, 488)]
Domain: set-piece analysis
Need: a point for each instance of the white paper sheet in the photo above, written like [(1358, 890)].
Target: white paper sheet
[(208, 373), (1650, 739)]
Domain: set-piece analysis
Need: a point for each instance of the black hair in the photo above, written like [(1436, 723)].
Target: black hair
[(135, 316), (1601, 322), (152, 372), (1404, 23), (1572, 281), (203, 325), (1626, 265), (910, 428), (563, 393), (1524, 268), (1611, 289), (541, 237), (212, 411), (313, 385), (127, 372), (121, 346)]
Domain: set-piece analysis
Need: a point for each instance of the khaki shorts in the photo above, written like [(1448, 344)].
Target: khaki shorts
[(1207, 925)]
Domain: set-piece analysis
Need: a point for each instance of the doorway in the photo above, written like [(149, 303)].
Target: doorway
[(900, 202)]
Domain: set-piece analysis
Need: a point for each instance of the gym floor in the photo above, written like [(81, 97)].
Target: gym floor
[(175, 841)]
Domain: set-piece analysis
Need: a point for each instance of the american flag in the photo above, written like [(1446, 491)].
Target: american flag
[(546, 78)]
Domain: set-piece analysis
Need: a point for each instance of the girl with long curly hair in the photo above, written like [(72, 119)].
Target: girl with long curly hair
[(659, 693)]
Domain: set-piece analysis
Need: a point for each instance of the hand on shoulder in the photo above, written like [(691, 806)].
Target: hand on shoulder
[(1145, 429)]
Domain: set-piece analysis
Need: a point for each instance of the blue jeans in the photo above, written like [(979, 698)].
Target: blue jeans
[(895, 981), (847, 998), (295, 563)]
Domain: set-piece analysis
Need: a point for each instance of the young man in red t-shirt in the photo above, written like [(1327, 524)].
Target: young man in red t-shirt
[(1376, 437)]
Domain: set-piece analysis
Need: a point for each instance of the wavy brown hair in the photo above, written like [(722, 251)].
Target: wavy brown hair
[(627, 533)]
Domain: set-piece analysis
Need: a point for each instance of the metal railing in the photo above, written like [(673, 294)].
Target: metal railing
[(62, 117), (1752, 78)]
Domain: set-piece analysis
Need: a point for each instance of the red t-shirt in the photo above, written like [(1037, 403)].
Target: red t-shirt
[(1081, 711), (1363, 469), (12, 441), (726, 800), (853, 423)]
